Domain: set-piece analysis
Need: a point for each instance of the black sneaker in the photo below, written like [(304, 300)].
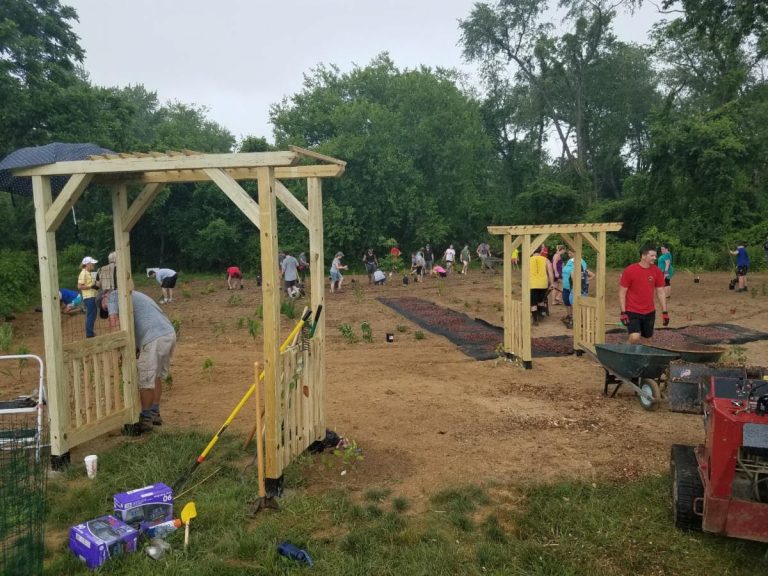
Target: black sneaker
[(144, 425)]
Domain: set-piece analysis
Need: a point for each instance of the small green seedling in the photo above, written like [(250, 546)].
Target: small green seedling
[(253, 328), (367, 331), (419, 335), (348, 333)]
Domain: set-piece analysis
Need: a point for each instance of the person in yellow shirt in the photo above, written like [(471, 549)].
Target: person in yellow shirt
[(540, 280), (515, 259), (86, 283)]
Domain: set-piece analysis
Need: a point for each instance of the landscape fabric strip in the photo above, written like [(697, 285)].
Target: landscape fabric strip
[(474, 339), (479, 339)]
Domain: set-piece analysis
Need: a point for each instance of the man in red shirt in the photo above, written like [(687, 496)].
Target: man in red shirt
[(637, 285)]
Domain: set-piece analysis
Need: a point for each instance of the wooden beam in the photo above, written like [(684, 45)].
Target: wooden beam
[(197, 162), (281, 173), (67, 198), (536, 242), (292, 203), (140, 205), (317, 287), (316, 155), (591, 240), (568, 240), (235, 192), (555, 228), (270, 288), (56, 376)]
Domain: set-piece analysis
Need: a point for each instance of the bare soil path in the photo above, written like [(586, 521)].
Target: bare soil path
[(426, 415)]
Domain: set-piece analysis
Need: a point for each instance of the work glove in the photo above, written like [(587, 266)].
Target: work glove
[(624, 318), (665, 318)]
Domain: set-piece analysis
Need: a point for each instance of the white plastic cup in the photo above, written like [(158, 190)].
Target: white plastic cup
[(91, 465)]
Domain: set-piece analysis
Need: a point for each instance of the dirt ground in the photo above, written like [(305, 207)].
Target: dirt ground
[(425, 415)]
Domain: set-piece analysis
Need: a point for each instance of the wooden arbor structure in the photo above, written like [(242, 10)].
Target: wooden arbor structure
[(92, 384), (588, 312)]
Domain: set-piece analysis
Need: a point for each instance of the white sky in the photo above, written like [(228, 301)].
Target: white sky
[(238, 57)]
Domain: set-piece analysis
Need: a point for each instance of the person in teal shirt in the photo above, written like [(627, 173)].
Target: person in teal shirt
[(665, 263)]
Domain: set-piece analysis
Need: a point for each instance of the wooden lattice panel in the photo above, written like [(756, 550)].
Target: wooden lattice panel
[(294, 407), (96, 381), (586, 326)]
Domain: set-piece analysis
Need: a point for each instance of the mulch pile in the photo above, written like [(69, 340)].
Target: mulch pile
[(481, 340)]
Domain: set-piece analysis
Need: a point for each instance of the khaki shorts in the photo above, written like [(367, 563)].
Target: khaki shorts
[(155, 360)]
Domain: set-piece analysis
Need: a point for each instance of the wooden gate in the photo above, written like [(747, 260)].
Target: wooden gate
[(102, 392)]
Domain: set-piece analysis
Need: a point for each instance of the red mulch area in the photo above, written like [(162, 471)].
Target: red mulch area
[(480, 340)]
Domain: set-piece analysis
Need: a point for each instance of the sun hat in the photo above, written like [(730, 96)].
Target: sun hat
[(88, 260)]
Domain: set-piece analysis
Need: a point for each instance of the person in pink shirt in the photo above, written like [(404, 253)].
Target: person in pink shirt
[(234, 278)]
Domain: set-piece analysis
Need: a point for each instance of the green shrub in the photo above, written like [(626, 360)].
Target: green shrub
[(19, 281)]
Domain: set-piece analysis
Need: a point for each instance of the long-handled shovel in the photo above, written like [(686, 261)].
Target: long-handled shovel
[(199, 460)]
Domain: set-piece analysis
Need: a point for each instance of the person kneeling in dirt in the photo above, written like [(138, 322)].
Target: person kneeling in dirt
[(637, 286), (439, 271), (379, 278), (156, 342)]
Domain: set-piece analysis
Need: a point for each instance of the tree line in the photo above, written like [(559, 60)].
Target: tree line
[(570, 124)]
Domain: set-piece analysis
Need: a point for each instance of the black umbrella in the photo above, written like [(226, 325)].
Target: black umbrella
[(39, 156)]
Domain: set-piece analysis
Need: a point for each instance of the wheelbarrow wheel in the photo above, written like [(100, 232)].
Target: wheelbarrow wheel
[(650, 388)]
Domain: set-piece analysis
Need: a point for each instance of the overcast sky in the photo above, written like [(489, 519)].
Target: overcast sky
[(238, 57)]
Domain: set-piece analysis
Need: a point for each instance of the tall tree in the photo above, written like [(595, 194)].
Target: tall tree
[(419, 164), (38, 55), (572, 76)]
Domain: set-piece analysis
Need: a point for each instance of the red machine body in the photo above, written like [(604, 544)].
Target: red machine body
[(730, 495)]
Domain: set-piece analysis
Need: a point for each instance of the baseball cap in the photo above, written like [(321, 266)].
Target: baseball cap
[(88, 260)]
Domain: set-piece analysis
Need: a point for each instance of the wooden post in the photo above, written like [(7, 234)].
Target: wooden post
[(259, 432), (58, 393), (600, 289), (507, 268), (270, 289), (125, 301), (525, 269), (317, 279), (576, 289)]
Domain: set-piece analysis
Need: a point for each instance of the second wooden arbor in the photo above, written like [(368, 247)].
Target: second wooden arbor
[(588, 311)]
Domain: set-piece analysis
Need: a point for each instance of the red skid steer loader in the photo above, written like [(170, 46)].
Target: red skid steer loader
[(721, 486)]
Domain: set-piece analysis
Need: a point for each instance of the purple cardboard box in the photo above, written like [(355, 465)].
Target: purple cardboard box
[(100, 539), (145, 507)]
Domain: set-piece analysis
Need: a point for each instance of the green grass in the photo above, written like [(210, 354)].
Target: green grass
[(562, 529)]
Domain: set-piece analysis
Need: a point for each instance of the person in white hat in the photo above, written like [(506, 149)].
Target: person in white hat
[(86, 283)]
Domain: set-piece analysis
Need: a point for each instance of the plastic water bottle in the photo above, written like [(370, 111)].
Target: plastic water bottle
[(291, 551), (164, 528)]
